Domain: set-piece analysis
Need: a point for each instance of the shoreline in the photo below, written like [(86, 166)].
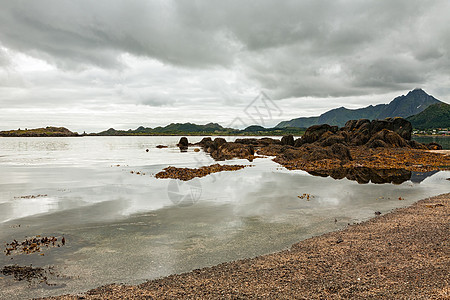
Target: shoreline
[(402, 254)]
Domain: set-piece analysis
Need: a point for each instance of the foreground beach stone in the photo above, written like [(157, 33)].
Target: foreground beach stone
[(401, 255)]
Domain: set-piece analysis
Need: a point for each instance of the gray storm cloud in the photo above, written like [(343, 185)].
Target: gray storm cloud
[(320, 48)]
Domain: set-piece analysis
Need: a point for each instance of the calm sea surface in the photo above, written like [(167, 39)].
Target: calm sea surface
[(444, 141), (126, 227)]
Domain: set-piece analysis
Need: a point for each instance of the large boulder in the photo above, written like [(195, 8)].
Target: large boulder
[(402, 127), (219, 142), (314, 133), (299, 142), (183, 142), (332, 139), (204, 141), (390, 139), (398, 125)]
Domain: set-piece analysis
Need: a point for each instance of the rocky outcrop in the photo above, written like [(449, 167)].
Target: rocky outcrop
[(233, 150), (390, 132), (387, 139), (314, 133), (287, 140), (258, 142), (362, 150)]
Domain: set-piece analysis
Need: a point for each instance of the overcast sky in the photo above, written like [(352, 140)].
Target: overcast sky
[(91, 65)]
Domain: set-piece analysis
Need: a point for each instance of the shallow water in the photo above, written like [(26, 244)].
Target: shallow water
[(444, 141), (124, 227)]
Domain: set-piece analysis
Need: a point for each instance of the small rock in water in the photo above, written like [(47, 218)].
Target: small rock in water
[(377, 213)]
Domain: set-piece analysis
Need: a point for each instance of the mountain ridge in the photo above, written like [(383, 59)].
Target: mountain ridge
[(403, 106)]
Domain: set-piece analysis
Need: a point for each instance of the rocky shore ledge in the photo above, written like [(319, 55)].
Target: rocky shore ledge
[(400, 255), (378, 151), (329, 150)]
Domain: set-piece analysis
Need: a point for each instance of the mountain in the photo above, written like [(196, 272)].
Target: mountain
[(434, 116), (208, 129), (413, 103), (171, 129)]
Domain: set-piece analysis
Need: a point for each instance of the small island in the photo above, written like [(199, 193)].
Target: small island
[(40, 132)]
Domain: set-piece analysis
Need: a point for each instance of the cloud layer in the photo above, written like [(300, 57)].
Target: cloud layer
[(205, 60)]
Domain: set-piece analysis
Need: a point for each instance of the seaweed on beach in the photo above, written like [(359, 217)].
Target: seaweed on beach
[(33, 245), (29, 273), (186, 174)]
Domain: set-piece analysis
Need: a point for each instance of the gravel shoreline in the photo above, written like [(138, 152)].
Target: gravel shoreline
[(401, 255)]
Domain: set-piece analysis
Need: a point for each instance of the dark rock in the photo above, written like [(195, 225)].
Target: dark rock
[(332, 139), (341, 151), (314, 133), (250, 141), (378, 125), (219, 142), (402, 127), (416, 145), (356, 132), (434, 146), (205, 141), (349, 125), (376, 143), (183, 143), (299, 142), (287, 140), (398, 125), (390, 138), (268, 141), (233, 150), (362, 123), (258, 142), (289, 153), (313, 152)]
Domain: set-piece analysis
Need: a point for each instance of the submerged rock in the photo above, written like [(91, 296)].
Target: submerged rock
[(434, 146)]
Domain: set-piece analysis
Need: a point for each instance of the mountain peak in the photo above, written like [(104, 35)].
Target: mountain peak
[(418, 91)]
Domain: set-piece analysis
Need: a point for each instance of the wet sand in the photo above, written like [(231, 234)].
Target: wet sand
[(401, 255)]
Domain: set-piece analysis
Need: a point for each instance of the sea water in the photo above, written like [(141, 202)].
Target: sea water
[(123, 225)]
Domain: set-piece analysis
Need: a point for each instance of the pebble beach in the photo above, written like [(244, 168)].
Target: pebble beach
[(400, 255)]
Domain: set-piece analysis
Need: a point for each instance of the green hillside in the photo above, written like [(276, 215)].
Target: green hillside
[(434, 116)]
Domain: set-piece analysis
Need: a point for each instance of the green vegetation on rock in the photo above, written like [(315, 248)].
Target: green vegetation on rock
[(39, 132)]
